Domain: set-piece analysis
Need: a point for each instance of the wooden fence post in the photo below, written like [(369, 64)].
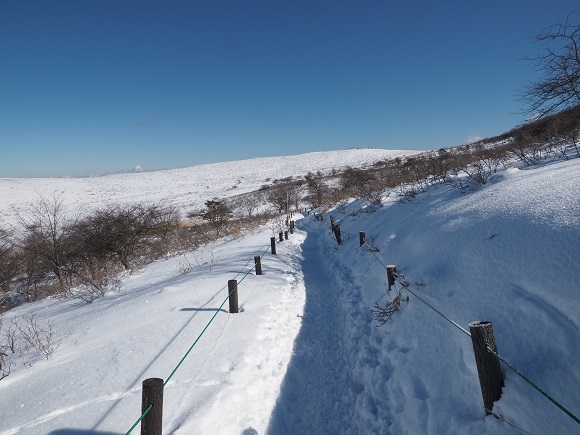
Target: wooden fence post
[(273, 245), (281, 236), (361, 238), (337, 234), (233, 292), (286, 235), (152, 394), (391, 269), (258, 264), (488, 368), (291, 229)]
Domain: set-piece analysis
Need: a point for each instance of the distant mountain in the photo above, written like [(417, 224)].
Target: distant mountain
[(186, 188)]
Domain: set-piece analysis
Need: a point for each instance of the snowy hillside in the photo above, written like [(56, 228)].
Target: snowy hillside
[(187, 188), (304, 355)]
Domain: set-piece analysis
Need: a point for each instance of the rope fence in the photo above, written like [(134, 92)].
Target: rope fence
[(150, 407), (399, 277), (481, 334)]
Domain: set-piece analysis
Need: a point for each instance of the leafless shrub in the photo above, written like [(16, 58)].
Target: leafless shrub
[(44, 237), (97, 285), (10, 260), (11, 339), (407, 191), (285, 195), (39, 335), (277, 226), (527, 148), (4, 371), (370, 244), (455, 180), (375, 198), (357, 182), (342, 208), (383, 314), (184, 265)]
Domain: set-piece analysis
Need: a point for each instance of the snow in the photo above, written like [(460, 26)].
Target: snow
[(304, 355), (187, 188)]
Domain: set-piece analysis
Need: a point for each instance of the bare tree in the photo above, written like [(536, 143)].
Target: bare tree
[(358, 182), (36, 282), (44, 235), (9, 260), (558, 62), (572, 133), (131, 231), (248, 203), (317, 189), (93, 265), (284, 195)]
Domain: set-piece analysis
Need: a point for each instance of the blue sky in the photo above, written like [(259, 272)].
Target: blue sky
[(90, 87)]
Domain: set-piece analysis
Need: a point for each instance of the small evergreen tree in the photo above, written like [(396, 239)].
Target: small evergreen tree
[(217, 214)]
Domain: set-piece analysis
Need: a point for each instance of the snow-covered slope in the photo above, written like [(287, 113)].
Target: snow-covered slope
[(187, 188), (507, 253), (303, 355)]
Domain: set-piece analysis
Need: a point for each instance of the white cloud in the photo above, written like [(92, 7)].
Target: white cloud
[(472, 138)]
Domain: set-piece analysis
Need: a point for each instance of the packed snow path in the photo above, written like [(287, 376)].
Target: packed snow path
[(317, 395)]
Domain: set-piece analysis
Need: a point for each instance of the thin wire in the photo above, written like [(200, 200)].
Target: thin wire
[(529, 381), (500, 417), (371, 250)]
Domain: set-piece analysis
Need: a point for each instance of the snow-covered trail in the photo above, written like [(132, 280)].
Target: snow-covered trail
[(334, 353), (316, 394)]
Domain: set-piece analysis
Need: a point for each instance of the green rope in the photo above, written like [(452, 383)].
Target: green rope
[(406, 286), (247, 273), (197, 339), (529, 381), (524, 377), (252, 268), (140, 418), (191, 347), (204, 329)]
